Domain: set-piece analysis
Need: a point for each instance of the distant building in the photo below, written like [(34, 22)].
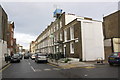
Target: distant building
[(74, 36), (14, 45), (32, 47), (19, 48), (111, 28), (10, 36)]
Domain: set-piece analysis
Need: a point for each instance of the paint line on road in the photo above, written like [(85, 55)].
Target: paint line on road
[(47, 69), (53, 65), (56, 69), (29, 63), (33, 69), (5, 67), (89, 67), (37, 70), (85, 75)]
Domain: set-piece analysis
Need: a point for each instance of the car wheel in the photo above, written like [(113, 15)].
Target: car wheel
[(19, 61), (10, 61), (46, 61), (36, 61), (110, 64)]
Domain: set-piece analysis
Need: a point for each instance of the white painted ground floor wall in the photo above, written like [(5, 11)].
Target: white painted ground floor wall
[(92, 40), (116, 44), (3, 50)]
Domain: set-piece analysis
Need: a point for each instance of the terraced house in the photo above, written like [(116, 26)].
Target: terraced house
[(3, 34), (111, 28), (10, 38), (32, 46), (74, 36)]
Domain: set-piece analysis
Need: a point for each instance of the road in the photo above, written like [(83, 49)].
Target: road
[(29, 69)]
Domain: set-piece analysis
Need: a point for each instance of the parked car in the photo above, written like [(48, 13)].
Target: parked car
[(26, 56), (21, 55), (41, 57), (30, 55), (33, 56), (15, 58), (114, 58)]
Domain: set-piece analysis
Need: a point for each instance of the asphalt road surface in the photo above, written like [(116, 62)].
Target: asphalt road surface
[(29, 69)]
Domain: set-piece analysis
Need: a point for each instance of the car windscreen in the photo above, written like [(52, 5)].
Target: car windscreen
[(116, 54), (26, 54), (34, 54), (15, 55), (41, 54)]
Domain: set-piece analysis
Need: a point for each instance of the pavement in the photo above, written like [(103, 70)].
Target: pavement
[(3, 63), (74, 63)]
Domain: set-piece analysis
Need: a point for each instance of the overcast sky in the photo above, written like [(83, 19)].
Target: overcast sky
[(32, 18)]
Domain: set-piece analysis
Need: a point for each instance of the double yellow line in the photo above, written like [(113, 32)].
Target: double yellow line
[(71, 66), (53, 65), (5, 67)]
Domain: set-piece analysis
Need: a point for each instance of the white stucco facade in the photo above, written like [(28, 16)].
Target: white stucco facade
[(92, 40), (3, 50)]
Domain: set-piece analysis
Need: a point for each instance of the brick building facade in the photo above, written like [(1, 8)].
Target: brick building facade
[(111, 28), (10, 37), (65, 35)]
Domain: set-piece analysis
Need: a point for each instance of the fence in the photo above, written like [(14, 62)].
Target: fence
[(56, 56)]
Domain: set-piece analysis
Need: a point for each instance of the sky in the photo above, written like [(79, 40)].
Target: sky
[(31, 18)]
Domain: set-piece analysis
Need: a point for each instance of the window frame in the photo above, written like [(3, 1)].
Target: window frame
[(72, 32), (72, 48)]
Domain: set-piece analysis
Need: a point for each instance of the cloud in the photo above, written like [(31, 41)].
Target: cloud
[(24, 39)]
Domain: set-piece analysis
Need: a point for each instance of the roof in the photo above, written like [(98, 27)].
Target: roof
[(10, 22), (112, 14)]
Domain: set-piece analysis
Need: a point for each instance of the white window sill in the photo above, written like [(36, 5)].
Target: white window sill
[(71, 52)]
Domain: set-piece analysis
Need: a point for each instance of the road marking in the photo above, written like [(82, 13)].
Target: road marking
[(29, 63), (53, 65), (5, 67), (33, 69), (37, 70), (86, 75), (47, 69), (89, 67), (56, 69)]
